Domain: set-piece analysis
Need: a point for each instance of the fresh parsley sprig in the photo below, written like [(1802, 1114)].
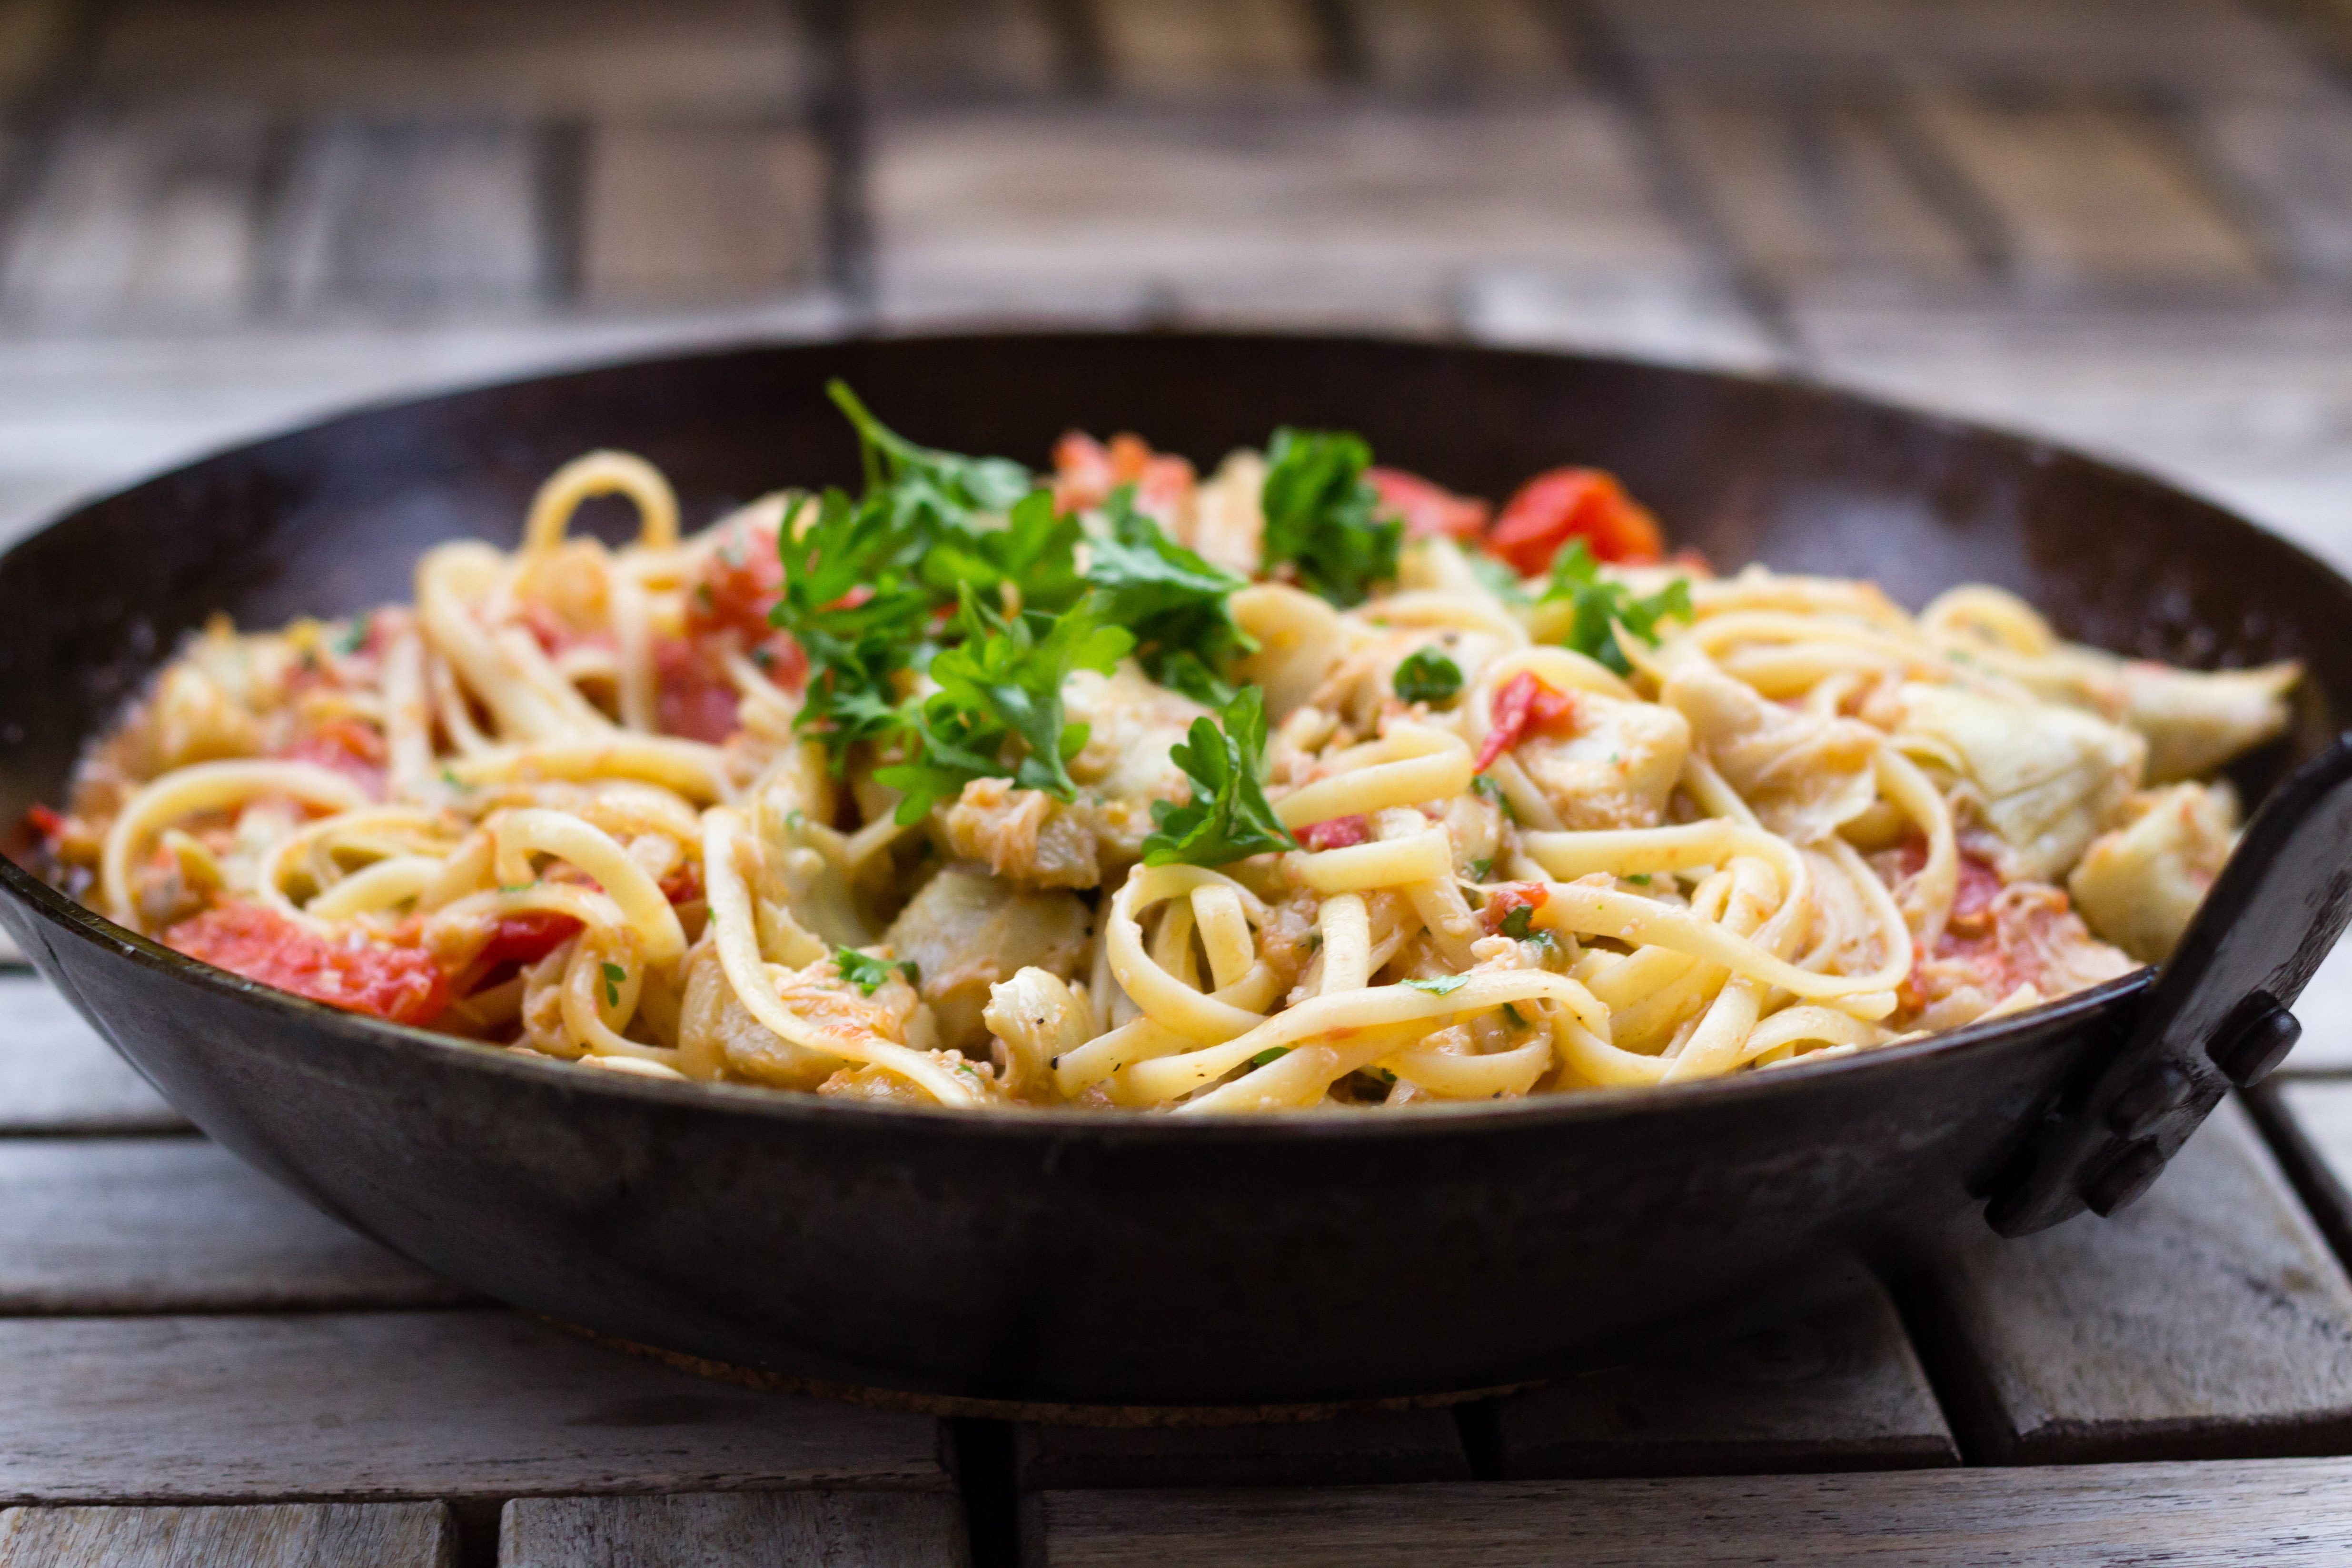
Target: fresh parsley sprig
[(1171, 599), (1228, 817), (1601, 603), (998, 711), (927, 488), (868, 974), (1319, 515)]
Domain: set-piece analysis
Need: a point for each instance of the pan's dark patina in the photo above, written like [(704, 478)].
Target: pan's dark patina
[(1110, 1259)]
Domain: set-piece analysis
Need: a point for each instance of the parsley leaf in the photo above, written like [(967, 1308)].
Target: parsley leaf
[(871, 974), (1319, 515), (1035, 553), (1228, 818), (849, 603), (1271, 1053), (1514, 924), (927, 488), (614, 975), (1173, 601), (1001, 692), (1428, 676), (1575, 577), (1497, 577), (1441, 984)]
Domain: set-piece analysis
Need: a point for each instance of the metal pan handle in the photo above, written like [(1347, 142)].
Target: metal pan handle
[(2216, 1016)]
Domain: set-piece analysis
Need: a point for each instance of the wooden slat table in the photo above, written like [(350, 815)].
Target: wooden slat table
[(2124, 223)]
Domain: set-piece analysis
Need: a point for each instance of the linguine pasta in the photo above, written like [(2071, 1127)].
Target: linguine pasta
[(1302, 786)]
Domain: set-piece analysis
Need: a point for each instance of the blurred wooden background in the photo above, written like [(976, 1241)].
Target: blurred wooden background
[(2125, 221)]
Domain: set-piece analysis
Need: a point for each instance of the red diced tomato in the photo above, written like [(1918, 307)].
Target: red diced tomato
[(1574, 503), (1428, 511), (739, 583), (357, 975), (1502, 901), (351, 748), (1524, 703), (1337, 833), (526, 938), (45, 822), (692, 696), (683, 885), (1085, 472)]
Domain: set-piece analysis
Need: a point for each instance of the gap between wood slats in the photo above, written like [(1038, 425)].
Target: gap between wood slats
[(735, 1530)]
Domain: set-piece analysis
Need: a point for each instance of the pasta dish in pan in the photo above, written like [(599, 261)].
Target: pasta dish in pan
[(1308, 784)]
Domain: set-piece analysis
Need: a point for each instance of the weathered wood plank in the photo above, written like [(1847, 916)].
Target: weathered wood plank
[(2295, 156), (178, 1225), (284, 1535), (404, 1404), (951, 51), (737, 1529), (2210, 1319), (1350, 1450), (2271, 1512), (699, 212), (1838, 1389), (1348, 214), (412, 212), (1156, 48), (58, 1076), (1460, 47), (528, 56), (1806, 189), (1667, 312), (2309, 1121), (149, 213), (2088, 195)]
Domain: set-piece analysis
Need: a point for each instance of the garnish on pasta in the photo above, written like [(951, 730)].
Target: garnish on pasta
[(1300, 784)]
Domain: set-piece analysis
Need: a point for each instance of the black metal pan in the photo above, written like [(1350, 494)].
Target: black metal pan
[(1135, 1259)]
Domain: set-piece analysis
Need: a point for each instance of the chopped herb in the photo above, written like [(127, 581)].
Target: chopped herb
[(1601, 605), (763, 658), (1512, 1012), (521, 888), (1441, 984), (1000, 695), (1428, 676), (450, 777), (850, 601), (1641, 876), (1171, 599), (1319, 515), (1227, 817), (1386, 1076), (1034, 553), (1544, 938), (614, 975), (1482, 870), (795, 819), (871, 974), (1271, 1053), (1490, 790), (1313, 941), (927, 487), (1514, 924), (354, 637)]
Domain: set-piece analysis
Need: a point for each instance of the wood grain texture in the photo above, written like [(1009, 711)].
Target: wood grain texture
[(1467, 48), (1838, 1389), (1366, 1449), (1344, 215), (2270, 1513), (58, 1076), (674, 213), (1807, 189), (367, 1406), (284, 1535), (143, 215), (951, 51), (2089, 194), (410, 212), (738, 1529), (178, 1225), (525, 56), (2309, 1124), (2209, 1319), (2293, 155), (1185, 49)]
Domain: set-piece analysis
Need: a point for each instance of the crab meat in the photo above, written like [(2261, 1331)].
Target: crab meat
[(965, 932)]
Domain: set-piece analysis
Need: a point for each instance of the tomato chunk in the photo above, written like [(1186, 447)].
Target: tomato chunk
[(1501, 901), (1574, 503), (1085, 472), (1524, 703), (1428, 511), (354, 749), (526, 938), (1338, 832), (692, 695), (357, 975)]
